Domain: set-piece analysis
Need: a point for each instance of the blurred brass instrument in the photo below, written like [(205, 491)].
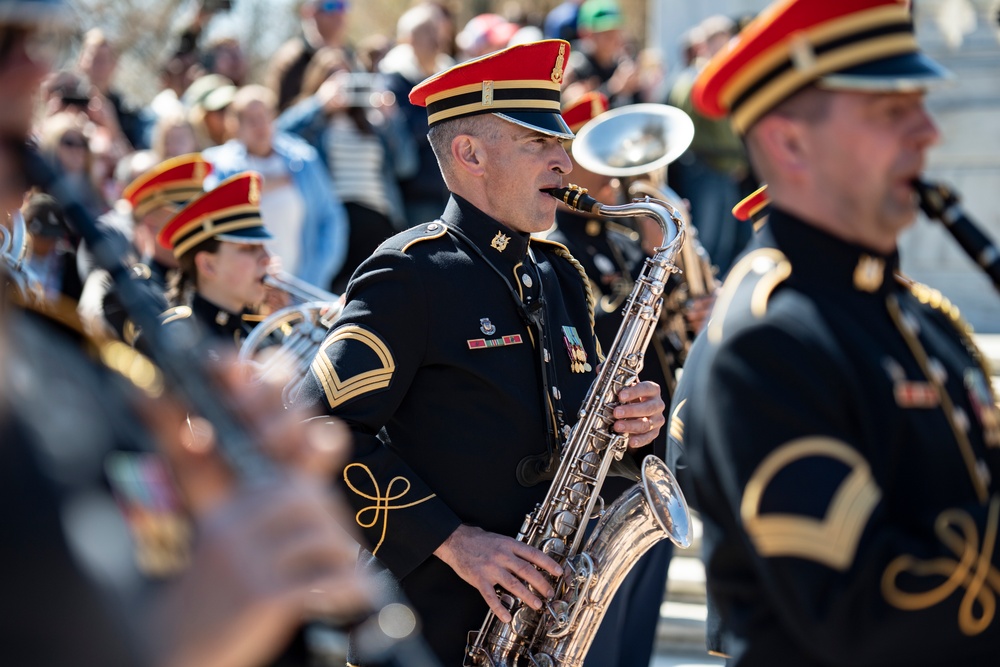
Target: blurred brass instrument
[(635, 144), (282, 346), (14, 255)]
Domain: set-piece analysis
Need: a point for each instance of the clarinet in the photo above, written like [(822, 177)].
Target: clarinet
[(171, 348), (938, 202)]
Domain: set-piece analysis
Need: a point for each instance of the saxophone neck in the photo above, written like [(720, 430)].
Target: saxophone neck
[(665, 215)]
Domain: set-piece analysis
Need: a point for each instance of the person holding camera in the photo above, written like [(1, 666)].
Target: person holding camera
[(361, 136)]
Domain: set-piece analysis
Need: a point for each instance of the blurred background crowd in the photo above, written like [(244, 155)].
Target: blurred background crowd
[(324, 114)]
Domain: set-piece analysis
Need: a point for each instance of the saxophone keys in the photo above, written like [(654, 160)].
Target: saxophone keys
[(554, 546), (564, 523)]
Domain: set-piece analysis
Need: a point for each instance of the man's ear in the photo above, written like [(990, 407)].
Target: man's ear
[(784, 141), (469, 154)]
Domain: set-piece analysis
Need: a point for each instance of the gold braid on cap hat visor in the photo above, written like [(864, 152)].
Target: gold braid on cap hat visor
[(530, 94), (177, 195), (834, 45), (215, 224)]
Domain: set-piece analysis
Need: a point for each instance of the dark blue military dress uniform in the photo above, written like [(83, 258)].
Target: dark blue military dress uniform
[(462, 354), (218, 323), (845, 450)]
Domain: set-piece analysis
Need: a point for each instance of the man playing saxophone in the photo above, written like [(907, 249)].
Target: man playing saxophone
[(463, 354)]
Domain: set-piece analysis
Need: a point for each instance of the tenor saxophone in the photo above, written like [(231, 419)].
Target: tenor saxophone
[(560, 634)]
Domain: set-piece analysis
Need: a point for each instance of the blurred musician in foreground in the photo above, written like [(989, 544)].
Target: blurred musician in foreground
[(464, 351), (842, 433), (218, 240), (77, 418)]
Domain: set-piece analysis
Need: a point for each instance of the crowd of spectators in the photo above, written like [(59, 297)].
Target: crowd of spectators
[(328, 122)]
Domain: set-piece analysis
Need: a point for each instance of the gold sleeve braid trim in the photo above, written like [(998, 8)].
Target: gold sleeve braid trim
[(972, 571), (339, 390), (382, 503), (832, 541)]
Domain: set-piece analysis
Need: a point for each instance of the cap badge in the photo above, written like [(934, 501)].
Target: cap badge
[(487, 93), (557, 71), (869, 273), (500, 242), (199, 171), (486, 326), (254, 192)]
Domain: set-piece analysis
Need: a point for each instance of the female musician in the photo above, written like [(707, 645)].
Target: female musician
[(218, 241)]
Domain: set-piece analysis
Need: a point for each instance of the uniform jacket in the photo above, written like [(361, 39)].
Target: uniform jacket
[(437, 369), (843, 443), (222, 327)]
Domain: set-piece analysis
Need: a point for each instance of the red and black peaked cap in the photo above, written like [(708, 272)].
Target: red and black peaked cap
[(860, 45), (520, 84)]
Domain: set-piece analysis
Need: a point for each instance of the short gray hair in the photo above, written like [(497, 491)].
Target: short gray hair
[(484, 126)]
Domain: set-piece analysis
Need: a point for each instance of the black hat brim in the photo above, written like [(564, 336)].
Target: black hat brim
[(248, 235), (546, 122), (904, 73)]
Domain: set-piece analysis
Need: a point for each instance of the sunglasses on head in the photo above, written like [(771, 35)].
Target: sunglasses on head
[(332, 6)]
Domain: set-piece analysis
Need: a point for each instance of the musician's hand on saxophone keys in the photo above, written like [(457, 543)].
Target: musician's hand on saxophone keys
[(486, 560), (640, 413)]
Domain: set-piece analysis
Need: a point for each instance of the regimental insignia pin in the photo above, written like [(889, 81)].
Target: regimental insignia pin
[(487, 93), (487, 327), (222, 318), (982, 404), (869, 273), (500, 242), (577, 353)]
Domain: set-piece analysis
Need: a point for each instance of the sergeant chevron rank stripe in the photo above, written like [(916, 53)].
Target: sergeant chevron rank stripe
[(339, 390)]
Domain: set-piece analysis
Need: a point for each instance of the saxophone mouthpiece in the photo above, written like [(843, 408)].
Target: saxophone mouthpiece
[(576, 198)]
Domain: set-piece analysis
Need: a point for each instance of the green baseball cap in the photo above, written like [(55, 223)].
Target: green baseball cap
[(598, 16)]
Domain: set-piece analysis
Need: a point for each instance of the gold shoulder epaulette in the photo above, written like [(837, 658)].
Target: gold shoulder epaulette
[(175, 313), (748, 288), (432, 230)]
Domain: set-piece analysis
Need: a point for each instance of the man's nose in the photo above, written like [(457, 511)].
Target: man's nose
[(563, 164), (927, 132)]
